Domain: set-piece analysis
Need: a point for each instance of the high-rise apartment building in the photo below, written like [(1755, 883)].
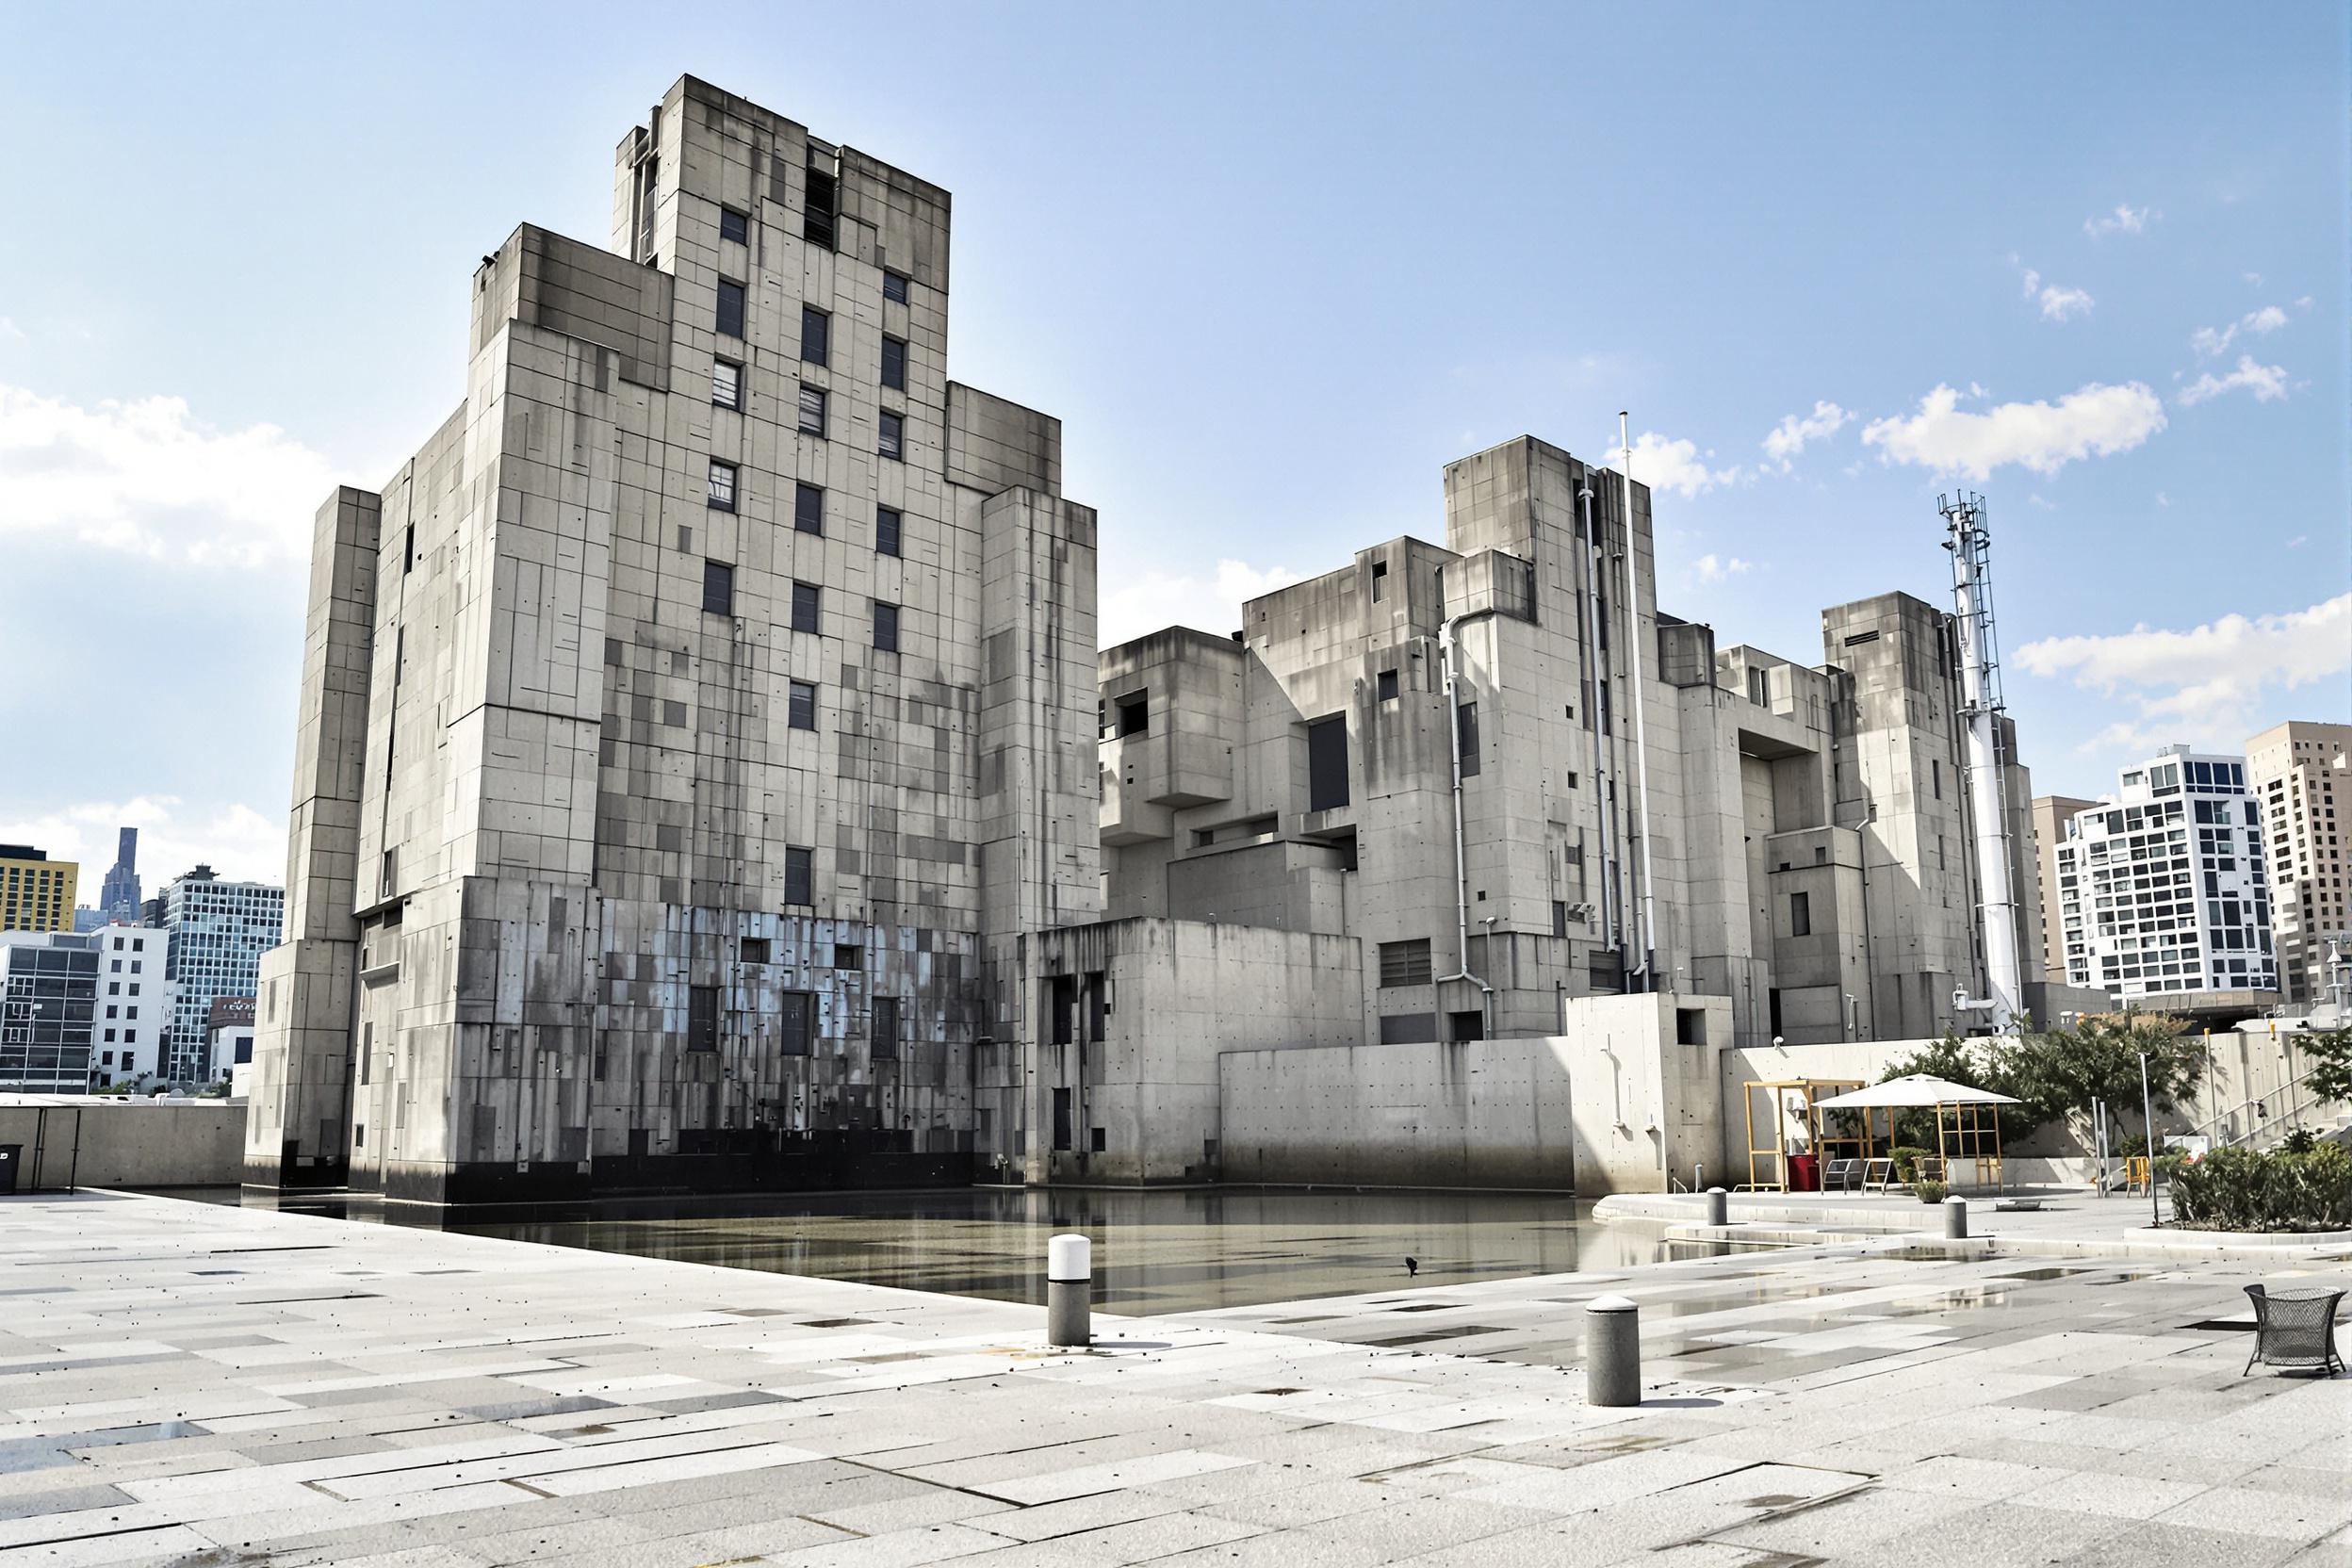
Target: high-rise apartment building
[(117, 897), (695, 730), (2162, 889), (219, 930), (2301, 776), (35, 892), (2050, 815), (81, 1010)]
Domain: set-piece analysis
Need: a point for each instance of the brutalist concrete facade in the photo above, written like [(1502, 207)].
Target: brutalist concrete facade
[(697, 730), (1808, 857)]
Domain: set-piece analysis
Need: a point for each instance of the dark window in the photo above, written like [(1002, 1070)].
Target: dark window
[(1560, 917), (886, 626), (811, 411), (1937, 773), (886, 525), (702, 1018), (816, 333), (807, 509), (731, 322), (1467, 719), (726, 383), (1388, 686), (805, 605), (753, 950), (1760, 687), (799, 875), (718, 588), (1408, 1028), (1061, 1119), (848, 956), (1101, 1141), (408, 551), (1098, 990), (894, 288), (801, 706), (795, 1017), (1800, 914), (884, 1041), (823, 195), (892, 439), (1690, 1026), (1327, 763), (1404, 963), (1380, 580), (722, 491), (895, 362), (734, 225), (1465, 1026), (1135, 713)]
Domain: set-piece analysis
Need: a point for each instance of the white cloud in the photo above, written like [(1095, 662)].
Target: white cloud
[(2094, 421), (1790, 437), (2163, 500), (2058, 304), (1156, 600), (2298, 540), (2268, 382), (2124, 220), (235, 840), (2202, 685), (1711, 568), (2210, 341), (9, 329), (144, 477), (1677, 465)]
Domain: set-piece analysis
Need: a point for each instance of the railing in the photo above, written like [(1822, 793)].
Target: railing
[(2297, 1113)]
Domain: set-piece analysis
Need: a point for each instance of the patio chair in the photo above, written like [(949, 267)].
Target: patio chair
[(2296, 1329), (1841, 1176)]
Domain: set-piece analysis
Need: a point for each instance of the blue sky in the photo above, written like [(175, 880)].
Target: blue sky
[(1273, 266)]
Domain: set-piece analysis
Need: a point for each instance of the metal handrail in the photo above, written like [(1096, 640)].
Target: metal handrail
[(2294, 1118)]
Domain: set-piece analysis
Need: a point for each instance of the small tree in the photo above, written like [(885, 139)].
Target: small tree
[(2330, 1052), (1988, 1063), (2099, 1060)]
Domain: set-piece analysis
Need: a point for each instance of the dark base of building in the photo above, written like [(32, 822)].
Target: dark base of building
[(294, 1175)]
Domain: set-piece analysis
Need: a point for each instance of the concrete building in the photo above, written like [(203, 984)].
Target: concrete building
[(219, 930), (2160, 890), (695, 733), (81, 1010), (2050, 815), (35, 892), (228, 1036), (118, 896), (2300, 773)]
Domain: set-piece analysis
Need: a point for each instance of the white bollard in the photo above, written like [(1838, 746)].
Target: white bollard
[(1069, 1290), (1612, 1352), (1956, 1218), (1718, 1206)]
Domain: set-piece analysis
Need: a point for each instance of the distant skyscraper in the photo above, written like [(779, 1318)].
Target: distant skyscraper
[(219, 930), (119, 897)]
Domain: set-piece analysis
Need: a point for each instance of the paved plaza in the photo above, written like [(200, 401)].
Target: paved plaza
[(206, 1385)]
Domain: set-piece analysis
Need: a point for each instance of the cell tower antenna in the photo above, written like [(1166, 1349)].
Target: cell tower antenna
[(1981, 703)]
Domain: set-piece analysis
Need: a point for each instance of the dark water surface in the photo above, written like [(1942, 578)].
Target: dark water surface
[(1155, 1252)]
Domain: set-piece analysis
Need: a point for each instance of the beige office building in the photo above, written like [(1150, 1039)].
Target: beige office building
[(2301, 776)]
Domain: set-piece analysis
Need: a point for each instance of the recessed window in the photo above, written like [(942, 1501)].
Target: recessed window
[(1388, 686), (1380, 580), (1466, 718), (730, 317), (883, 1037), (823, 198), (887, 524), (1800, 914), (734, 225), (807, 509), (892, 440), (895, 362), (726, 383), (885, 627), (848, 956), (816, 333), (800, 876), (754, 950), (721, 486), (806, 604), (800, 705), (811, 411), (894, 288), (1135, 713)]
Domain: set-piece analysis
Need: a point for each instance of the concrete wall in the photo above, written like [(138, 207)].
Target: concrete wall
[(125, 1143)]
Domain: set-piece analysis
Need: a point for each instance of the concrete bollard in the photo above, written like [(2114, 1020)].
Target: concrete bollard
[(1069, 1290), (1956, 1218), (1718, 1206), (1612, 1352)]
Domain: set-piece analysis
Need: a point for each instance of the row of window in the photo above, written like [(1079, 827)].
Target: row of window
[(718, 599), (795, 1022), (724, 486), (817, 225)]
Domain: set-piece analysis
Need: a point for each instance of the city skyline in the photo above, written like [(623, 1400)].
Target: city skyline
[(2115, 316)]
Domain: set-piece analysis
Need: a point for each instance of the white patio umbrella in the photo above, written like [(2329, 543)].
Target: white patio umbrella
[(1919, 1091)]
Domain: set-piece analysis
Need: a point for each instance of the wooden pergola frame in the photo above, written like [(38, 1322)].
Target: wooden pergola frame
[(1808, 1093)]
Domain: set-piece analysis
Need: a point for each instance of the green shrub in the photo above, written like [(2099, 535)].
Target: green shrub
[(2237, 1189), (1907, 1157), (2301, 1141), (1929, 1192)]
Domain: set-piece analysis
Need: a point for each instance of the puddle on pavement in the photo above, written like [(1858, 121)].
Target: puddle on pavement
[(1156, 1252)]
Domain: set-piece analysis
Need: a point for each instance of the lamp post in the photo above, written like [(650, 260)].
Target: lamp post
[(2148, 1113)]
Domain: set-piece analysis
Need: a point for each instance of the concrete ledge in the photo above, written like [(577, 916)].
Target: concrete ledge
[(2169, 1237)]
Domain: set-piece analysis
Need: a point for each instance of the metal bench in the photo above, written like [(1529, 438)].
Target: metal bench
[(2296, 1329), (1841, 1176)]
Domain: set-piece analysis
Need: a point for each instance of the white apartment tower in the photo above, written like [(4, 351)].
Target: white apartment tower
[(219, 930), (2162, 889), (2302, 775)]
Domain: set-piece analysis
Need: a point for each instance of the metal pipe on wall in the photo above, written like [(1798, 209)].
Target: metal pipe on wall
[(1593, 711), (1448, 662), (1641, 742)]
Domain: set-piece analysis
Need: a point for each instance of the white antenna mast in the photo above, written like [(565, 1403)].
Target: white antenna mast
[(1980, 700)]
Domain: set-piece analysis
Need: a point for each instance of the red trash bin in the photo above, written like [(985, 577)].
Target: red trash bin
[(1804, 1173)]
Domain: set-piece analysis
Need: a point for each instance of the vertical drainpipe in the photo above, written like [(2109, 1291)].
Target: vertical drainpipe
[(1592, 711), (1461, 865), (1640, 744)]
